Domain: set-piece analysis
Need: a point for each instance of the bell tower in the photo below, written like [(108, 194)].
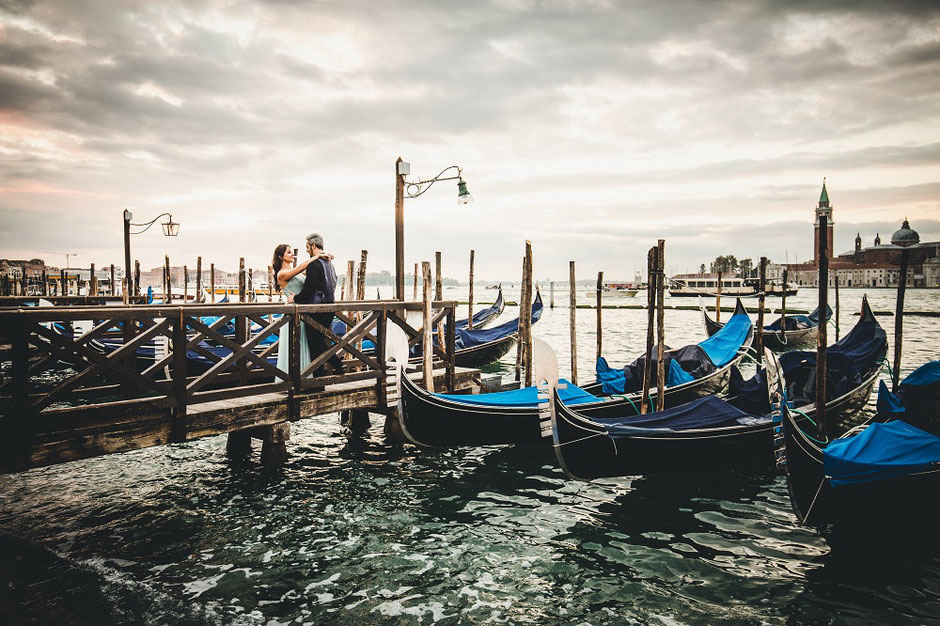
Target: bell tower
[(823, 209)]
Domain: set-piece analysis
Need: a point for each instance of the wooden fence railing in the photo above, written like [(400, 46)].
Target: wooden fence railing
[(65, 364)]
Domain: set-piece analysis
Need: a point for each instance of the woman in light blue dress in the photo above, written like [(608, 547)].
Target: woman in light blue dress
[(290, 280)]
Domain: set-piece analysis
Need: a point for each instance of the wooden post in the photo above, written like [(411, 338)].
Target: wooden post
[(270, 283), (836, 275), (762, 286), (527, 361), (718, 299), (783, 304), (63, 286), (821, 341), (551, 294), (661, 324), (899, 319), (651, 290), (361, 287), (573, 326), (470, 299), (274, 443), (185, 284), (168, 293), (427, 344), (178, 427), (600, 291), (399, 232), (199, 294), (212, 281), (242, 284), (414, 295), (113, 286), (439, 294), (250, 284), (449, 347), (93, 282), (127, 247), (136, 278), (45, 283)]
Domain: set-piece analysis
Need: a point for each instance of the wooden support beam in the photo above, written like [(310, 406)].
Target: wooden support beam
[(199, 295), (470, 298), (899, 319), (427, 344), (274, 443), (600, 306), (821, 340), (573, 323), (661, 325), (238, 444)]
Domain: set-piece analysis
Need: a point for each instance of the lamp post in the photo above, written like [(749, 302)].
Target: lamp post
[(414, 189), (170, 229)]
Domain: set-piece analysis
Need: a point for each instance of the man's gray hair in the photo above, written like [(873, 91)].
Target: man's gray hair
[(315, 239)]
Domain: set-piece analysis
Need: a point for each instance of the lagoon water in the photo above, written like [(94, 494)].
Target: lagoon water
[(359, 533)]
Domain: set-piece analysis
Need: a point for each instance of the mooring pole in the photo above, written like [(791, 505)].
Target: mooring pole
[(762, 285), (600, 291), (427, 344), (93, 282), (520, 332), (199, 294), (573, 326), (651, 282), (399, 231), (113, 286), (212, 281), (551, 294), (270, 283), (127, 248), (470, 298), (661, 324), (242, 280), (439, 294), (136, 278), (783, 305), (821, 340), (185, 284), (168, 294), (528, 315), (835, 275), (899, 320)]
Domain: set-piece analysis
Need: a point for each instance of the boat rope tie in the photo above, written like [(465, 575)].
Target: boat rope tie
[(815, 497), (627, 398), (798, 412), (566, 443)]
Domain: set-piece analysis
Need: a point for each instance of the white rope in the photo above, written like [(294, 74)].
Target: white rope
[(813, 503)]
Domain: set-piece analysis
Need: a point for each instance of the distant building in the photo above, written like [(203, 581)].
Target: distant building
[(873, 266)]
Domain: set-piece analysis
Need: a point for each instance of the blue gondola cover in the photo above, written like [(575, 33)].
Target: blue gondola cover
[(924, 375), (888, 403), (525, 397), (880, 452), (707, 412)]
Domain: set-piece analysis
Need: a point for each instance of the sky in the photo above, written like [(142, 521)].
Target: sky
[(589, 128)]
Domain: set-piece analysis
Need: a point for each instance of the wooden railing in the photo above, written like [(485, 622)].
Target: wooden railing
[(15, 301), (117, 369)]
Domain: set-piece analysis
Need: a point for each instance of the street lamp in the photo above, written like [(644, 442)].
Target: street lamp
[(413, 189), (170, 229)]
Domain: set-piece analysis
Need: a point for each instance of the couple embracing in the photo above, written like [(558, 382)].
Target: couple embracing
[(312, 281)]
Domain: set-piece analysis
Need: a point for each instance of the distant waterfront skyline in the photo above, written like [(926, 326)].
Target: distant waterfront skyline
[(591, 129)]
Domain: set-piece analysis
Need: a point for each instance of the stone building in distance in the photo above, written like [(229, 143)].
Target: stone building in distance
[(872, 266)]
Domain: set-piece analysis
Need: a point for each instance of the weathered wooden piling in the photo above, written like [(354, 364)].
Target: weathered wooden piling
[(168, 290), (520, 333), (200, 297), (242, 281), (212, 281), (762, 288), (414, 293), (112, 285), (899, 319), (470, 297), (350, 284), (821, 339), (572, 323), (837, 303), (427, 344), (93, 282), (439, 293), (783, 305), (600, 333), (45, 283), (651, 290), (551, 294), (63, 284), (526, 315), (185, 284), (661, 324)]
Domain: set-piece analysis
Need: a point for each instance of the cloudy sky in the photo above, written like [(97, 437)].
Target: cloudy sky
[(590, 128)]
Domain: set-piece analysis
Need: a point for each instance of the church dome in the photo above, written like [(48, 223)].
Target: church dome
[(906, 236)]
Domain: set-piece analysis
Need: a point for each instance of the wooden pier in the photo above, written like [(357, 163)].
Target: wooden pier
[(81, 381)]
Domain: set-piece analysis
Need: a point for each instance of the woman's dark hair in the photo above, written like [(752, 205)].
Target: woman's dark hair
[(278, 262)]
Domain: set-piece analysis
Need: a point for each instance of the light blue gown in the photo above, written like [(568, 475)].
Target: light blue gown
[(294, 285)]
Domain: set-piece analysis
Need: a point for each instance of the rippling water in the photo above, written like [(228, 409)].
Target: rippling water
[(355, 532)]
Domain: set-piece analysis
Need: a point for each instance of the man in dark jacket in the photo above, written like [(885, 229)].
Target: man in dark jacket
[(319, 288)]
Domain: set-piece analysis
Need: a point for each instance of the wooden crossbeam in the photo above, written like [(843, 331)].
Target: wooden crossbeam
[(342, 343)]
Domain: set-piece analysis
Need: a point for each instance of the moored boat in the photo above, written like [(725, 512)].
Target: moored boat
[(800, 330)]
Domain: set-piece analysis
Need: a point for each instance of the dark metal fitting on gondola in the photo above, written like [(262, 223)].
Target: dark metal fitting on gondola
[(778, 440), (781, 464), (780, 454), (778, 430)]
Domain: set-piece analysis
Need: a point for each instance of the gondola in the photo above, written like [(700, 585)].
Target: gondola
[(479, 347), (882, 477), (800, 331), (692, 371), (484, 317), (711, 431), (513, 417)]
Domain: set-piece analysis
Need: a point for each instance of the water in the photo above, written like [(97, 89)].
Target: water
[(354, 533)]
